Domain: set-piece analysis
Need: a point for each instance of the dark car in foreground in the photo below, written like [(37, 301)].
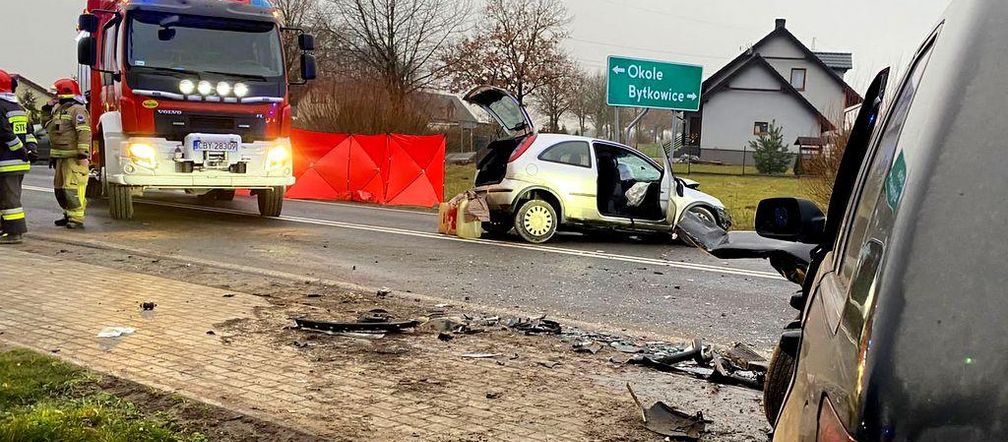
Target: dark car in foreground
[(902, 331)]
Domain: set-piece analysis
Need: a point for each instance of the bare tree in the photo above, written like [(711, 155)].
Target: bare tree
[(597, 109), (580, 101), (395, 41), (555, 98), (300, 14), (516, 46)]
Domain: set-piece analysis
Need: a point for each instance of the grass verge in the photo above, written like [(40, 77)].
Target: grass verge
[(740, 193), (43, 399)]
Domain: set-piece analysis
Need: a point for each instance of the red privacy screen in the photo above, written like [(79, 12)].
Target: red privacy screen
[(401, 170)]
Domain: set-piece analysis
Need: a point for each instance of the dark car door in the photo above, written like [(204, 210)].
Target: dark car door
[(826, 385)]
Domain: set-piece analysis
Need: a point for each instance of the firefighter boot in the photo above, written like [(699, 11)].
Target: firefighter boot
[(71, 224), (62, 222), (10, 238)]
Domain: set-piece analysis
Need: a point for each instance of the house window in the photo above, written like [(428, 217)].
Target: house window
[(761, 127), (798, 78)]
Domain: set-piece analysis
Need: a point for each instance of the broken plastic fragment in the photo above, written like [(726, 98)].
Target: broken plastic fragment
[(114, 332)]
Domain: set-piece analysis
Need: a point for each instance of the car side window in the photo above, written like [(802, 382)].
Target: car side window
[(635, 167), (873, 178), (573, 153), (877, 205)]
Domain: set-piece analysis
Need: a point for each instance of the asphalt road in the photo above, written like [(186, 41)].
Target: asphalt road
[(617, 283)]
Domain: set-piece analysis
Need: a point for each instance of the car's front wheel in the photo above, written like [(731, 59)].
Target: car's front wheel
[(778, 377), (536, 221), (705, 214)]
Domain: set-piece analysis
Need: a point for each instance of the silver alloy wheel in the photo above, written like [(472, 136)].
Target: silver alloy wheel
[(537, 221), (704, 214)]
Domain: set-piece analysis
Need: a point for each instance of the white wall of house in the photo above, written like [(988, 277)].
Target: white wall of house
[(820, 88), (729, 117)]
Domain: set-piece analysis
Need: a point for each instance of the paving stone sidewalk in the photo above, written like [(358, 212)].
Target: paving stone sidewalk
[(59, 306), (185, 345)]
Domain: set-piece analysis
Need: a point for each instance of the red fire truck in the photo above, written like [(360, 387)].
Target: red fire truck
[(188, 94)]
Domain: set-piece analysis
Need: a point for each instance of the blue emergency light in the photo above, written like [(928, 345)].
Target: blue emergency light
[(262, 3)]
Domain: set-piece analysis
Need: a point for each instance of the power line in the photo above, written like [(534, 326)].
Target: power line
[(685, 54), (680, 17)]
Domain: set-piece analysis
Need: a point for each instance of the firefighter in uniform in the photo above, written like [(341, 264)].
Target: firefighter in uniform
[(17, 148), (70, 135)]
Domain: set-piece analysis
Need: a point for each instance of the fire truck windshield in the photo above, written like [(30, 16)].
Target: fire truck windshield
[(204, 44)]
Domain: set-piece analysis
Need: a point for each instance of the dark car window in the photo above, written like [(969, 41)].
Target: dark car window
[(883, 158), (877, 205), (574, 153)]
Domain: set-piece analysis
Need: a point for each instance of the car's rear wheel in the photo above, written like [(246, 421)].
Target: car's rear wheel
[(778, 377), (536, 221)]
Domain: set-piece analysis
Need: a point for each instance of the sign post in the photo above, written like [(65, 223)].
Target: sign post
[(634, 82)]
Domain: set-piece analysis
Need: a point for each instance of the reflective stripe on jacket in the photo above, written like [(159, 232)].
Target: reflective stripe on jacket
[(15, 141)]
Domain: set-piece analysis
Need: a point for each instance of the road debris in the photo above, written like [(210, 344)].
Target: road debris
[(115, 332), (147, 306), (536, 326), (445, 337), (668, 421), (586, 347), (354, 327), (382, 292), (480, 355)]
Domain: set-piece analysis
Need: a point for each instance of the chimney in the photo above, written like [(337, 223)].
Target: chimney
[(780, 23)]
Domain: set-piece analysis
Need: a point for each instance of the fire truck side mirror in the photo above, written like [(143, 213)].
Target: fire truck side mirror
[(88, 23), (87, 51), (306, 42), (309, 68)]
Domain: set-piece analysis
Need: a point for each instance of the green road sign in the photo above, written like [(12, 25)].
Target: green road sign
[(635, 82)]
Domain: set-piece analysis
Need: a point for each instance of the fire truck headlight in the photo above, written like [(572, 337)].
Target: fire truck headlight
[(143, 155), (223, 89), (241, 90), (205, 88), (187, 87), (278, 155)]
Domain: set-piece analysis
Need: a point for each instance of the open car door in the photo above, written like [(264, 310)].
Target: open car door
[(735, 245), (492, 159), (504, 108), (668, 189)]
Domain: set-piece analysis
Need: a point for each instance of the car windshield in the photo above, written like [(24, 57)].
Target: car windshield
[(204, 44)]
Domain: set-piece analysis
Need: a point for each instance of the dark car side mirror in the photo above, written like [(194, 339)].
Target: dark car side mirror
[(790, 219), (306, 42), (88, 23), (309, 67), (87, 51)]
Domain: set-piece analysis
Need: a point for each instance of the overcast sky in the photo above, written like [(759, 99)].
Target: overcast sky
[(38, 34)]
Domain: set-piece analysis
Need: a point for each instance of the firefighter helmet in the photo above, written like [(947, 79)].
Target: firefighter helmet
[(6, 82), (67, 88)]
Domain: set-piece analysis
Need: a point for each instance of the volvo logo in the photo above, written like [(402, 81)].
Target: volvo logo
[(169, 112)]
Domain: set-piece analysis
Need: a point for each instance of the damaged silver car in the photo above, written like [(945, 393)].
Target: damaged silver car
[(540, 183)]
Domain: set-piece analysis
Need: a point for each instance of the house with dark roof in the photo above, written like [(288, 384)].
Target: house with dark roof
[(778, 80)]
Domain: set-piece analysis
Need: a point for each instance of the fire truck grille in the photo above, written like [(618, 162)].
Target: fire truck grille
[(176, 127)]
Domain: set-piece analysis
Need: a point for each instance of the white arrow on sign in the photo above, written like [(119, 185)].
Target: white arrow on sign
[(618, 70), (692, 96)]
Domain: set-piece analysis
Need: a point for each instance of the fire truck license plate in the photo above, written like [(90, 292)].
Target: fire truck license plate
[(215, 145)]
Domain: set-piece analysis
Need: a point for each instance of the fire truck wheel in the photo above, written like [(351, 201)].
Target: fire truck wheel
[(93, 189), (120, 202), (270, 201)]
